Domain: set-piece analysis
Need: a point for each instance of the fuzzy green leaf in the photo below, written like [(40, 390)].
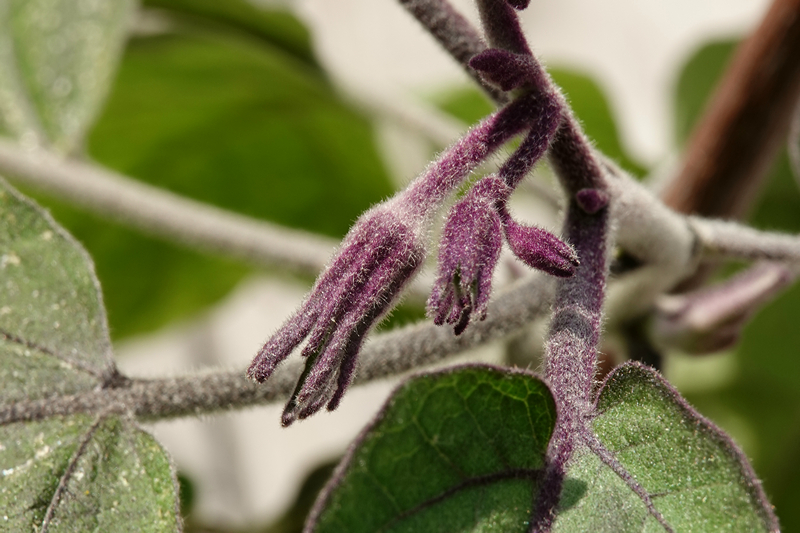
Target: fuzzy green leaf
[(695, 475), (456, 450), (73, 475), (58, 58), (53, 332)]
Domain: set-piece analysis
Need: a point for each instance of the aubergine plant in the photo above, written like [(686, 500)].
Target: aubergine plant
[(468, 448)]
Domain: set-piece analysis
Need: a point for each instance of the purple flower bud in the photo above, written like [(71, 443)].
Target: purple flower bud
[(471, 241), (538, 248), (379, 255)]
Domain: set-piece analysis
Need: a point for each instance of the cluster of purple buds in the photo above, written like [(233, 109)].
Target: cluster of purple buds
[(387, 245)]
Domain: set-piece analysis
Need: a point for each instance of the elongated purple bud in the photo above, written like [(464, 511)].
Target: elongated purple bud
[(471, 241), (540, 249)]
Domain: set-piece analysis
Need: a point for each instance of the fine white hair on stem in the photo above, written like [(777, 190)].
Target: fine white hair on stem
[(162, 213), (730, 240), (383, 356)]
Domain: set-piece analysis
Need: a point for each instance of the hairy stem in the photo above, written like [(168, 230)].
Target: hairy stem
[(383, 356), (165, 214)]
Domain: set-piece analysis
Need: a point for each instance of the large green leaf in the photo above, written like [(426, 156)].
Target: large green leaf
[(58, 58), (82, 476), (272, 24), (69, 474), (455, 450), (697, 478), (222, 118), (462, 449), (53, 333)]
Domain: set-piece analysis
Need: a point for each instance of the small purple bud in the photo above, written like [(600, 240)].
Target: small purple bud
[(470, 247), (591, 200), (380, 254), (540, 249), (505, 69), (712, 319), (519, 5)]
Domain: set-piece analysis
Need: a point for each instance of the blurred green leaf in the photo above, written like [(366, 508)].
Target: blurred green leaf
[(591, 106), (58, 59), (53, 333), (697, 479), (585, 96), (449, 452), (468, 104), (696, 82), (273, 25), (765, 398), (222, 118), (113, 477)]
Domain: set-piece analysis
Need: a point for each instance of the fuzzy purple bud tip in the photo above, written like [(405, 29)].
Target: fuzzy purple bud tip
[(591, 200), (504, 69), (470, 247), (540, 249), (519, 4), (379, 255)]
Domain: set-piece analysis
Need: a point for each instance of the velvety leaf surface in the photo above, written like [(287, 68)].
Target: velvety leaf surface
[(58, 58), (455, 450), (696, 477), (53, 336), (113, 476)]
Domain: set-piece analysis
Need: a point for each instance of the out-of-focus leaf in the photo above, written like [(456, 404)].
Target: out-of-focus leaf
[(224, 119), (591, 106), (273, 25), (456, 450), (697, 478), (53, 333), (58, 59), (103, 476), (696, 82), (586, 98), (764, 400), (467, 103)]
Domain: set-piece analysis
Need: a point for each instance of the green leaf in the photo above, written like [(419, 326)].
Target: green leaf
[(591, 107), (588, 102), (83, 476), (58, 58), (222, 118), (66, 474), (53, 333), (696, 82), (695, 475), (272, 25), (455, 450)]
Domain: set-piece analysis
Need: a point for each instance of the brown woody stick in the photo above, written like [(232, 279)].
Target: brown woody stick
[(735, 142)]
